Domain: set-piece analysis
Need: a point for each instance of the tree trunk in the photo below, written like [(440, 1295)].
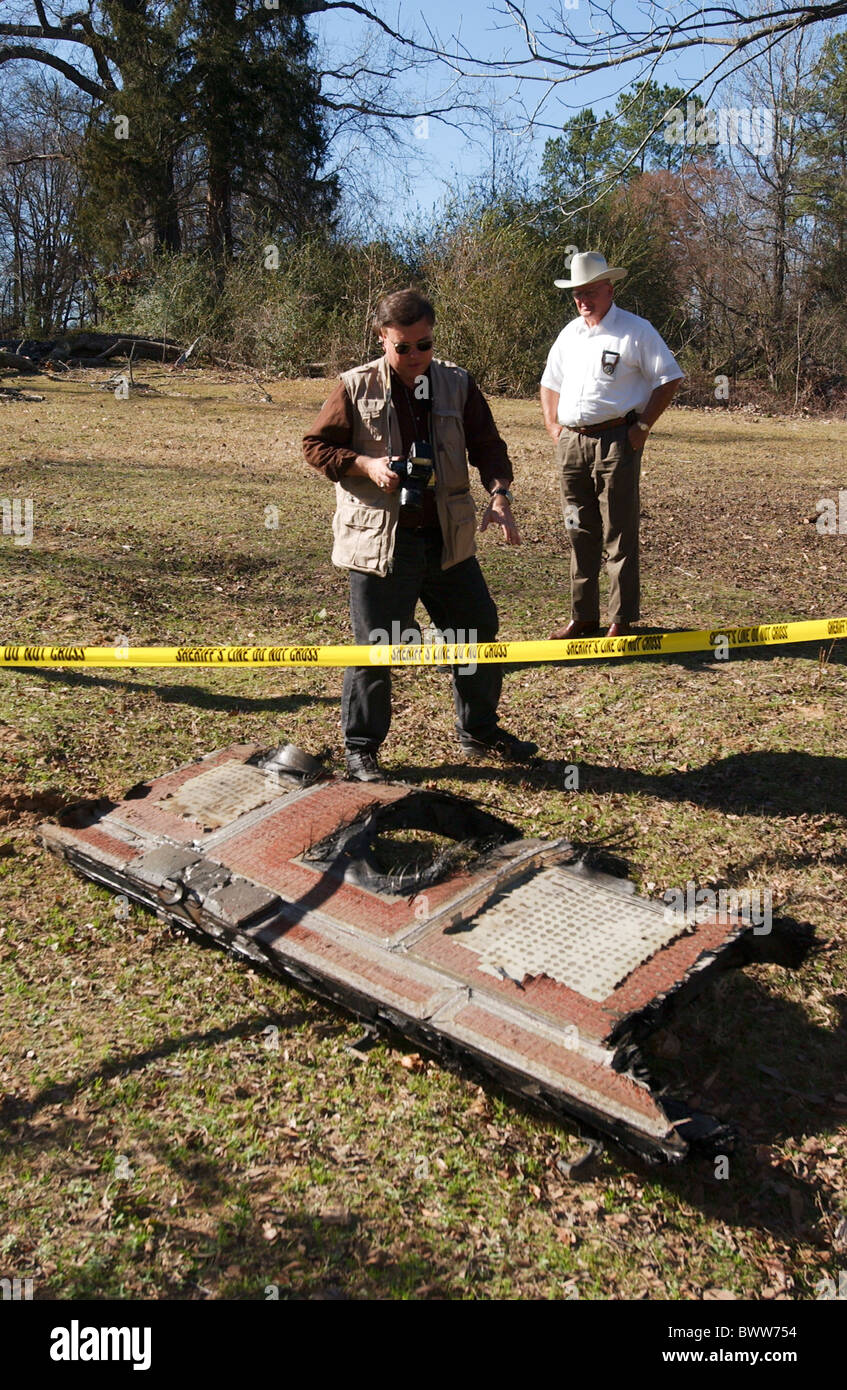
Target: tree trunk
[(219, 207), (168, 231)]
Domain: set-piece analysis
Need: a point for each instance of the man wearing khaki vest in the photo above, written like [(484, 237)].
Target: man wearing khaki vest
[(400, 545)]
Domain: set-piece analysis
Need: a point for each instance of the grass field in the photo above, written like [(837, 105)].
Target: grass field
[(175, 1125)]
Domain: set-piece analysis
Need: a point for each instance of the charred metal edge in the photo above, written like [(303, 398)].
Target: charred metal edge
[(787, 944), (464, 1057)]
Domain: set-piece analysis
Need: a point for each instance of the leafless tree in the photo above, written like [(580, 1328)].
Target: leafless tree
[(39, 186)]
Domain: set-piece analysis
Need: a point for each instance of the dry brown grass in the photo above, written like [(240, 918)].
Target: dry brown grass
[(305, 1167)]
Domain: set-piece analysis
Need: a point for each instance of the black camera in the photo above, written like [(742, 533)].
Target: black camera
[(416, 472)]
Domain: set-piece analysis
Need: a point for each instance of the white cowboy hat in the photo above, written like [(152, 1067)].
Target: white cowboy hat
[(586, 268)]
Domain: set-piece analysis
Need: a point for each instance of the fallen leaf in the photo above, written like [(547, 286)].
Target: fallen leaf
[(412, 1061)]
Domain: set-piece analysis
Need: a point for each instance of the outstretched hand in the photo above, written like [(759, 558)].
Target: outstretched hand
[(499, 511)]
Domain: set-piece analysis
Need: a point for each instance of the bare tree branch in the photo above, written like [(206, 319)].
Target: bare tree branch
[(50, 60), (321, 6), (29, 158), (561, 47)]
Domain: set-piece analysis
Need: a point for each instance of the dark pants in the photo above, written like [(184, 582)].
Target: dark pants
[(600, 501), (455, 598)]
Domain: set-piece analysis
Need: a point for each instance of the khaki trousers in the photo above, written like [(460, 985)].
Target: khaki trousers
[(601, 506)]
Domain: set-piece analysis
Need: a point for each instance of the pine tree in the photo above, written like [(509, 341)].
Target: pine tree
[(823, 187), (216, 97)]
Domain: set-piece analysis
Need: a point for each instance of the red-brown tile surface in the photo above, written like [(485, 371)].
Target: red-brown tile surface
[(101, 845), (566, 1064), (545, 996), (662, 971), (264, 853), (329, 957), (562, 1005)]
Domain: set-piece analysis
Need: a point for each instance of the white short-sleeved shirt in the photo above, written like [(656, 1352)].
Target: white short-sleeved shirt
[(604, 372)]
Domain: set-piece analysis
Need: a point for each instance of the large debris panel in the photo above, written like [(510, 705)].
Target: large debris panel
[(508, 953)]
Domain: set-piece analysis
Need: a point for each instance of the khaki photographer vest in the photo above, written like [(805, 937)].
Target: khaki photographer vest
[(365, 521)]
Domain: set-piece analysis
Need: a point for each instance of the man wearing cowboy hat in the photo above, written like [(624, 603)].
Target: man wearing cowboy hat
[(609, 376), (399, 547)]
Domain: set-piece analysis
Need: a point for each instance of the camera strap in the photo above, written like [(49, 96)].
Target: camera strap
[(426, 433), (388, 393)]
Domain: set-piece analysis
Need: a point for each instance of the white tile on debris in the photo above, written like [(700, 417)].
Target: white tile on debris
[(587, 937), (216, 797)]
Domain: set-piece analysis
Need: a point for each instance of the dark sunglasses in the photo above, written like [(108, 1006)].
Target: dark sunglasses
[(402, 348)]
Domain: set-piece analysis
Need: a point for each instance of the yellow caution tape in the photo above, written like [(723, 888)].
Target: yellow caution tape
[(719, 640)]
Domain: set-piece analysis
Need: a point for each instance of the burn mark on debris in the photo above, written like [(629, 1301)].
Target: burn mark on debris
[(333, 918), (85, 813), (354, 852)]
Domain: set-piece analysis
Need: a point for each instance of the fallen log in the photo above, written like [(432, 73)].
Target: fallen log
[(94, 349), (16, 362), (12, 393)]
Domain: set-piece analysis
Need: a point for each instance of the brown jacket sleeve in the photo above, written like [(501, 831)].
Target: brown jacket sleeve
[(326, 446), (486, 449)]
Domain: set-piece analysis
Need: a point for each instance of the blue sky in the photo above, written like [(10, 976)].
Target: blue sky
[(442, 158)]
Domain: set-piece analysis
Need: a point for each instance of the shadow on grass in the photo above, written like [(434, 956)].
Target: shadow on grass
[(753, 1059), (331, 1254), (325, 1253), (759, 1063), (193, 695), (758, 783), (756, 1063), (13, 1110), (316, 1255)]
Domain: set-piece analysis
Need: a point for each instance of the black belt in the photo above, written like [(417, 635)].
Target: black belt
[(596, 430)]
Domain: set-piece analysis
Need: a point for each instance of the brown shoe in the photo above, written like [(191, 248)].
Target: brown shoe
[(619, 630), (574, 628)]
